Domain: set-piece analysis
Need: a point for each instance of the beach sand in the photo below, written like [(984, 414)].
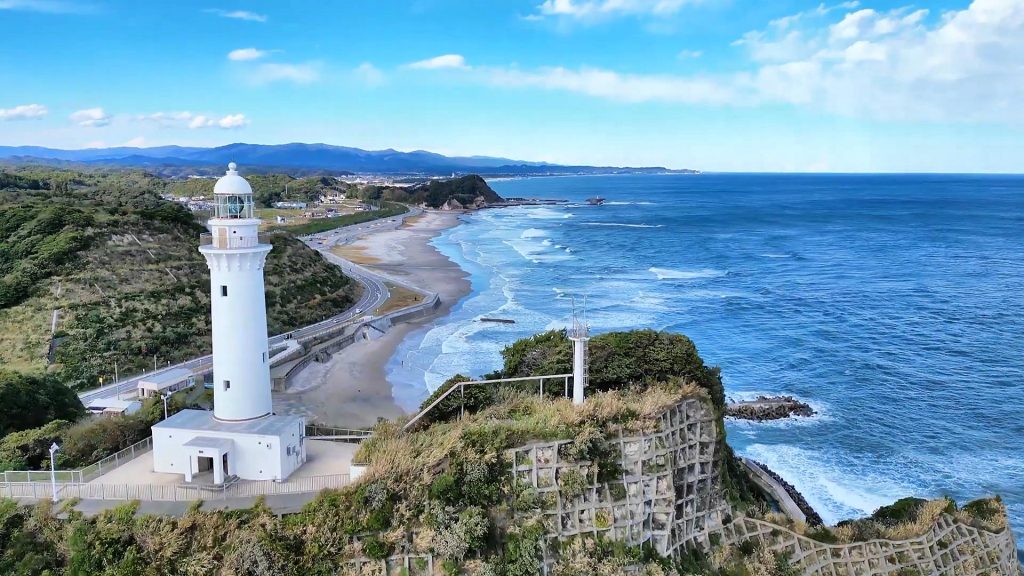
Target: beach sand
[(351, 390)]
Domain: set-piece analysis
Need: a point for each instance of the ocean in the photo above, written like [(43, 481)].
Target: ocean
[(893, 304)]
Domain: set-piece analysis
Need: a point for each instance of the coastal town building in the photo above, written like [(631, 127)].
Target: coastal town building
[(113, 406), (241, 437), (166, 382)]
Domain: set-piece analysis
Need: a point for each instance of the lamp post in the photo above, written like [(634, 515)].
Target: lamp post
[(165, 397), (53, 469)]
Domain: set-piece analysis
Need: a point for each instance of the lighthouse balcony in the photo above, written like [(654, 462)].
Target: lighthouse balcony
[(232, 242)]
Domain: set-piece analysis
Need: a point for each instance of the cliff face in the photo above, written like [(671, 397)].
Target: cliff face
[(666, 495), (670, 497)]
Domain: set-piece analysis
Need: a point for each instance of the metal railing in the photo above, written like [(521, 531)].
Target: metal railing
[(81, 475), (461, 388), (316, 431), (231, 242), (173, 492)]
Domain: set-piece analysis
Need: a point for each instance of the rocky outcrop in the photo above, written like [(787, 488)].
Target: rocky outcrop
[(766, 408)]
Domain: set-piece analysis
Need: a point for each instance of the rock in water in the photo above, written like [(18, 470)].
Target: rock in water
[(768, 408)]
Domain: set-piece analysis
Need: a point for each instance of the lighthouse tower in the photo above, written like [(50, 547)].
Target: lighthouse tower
[(241, 437), (235, 255)]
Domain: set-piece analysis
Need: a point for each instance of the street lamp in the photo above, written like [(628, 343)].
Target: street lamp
[(53, 469), (165, 397)]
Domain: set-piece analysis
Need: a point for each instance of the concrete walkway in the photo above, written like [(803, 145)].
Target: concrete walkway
[(279, 504), (775, 490)]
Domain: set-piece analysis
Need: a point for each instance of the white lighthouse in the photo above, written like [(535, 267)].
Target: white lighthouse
[(238, 305), (242, 437)]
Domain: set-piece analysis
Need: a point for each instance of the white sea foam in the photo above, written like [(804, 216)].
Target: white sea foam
[(547, 214), (836, 488), (623, 225), (776, 255), (620, 203), (533, 233), (669, 274)]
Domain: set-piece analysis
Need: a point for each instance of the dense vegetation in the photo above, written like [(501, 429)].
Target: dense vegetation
[(28, 401), (84, 442), (120, 267), (435, 193)]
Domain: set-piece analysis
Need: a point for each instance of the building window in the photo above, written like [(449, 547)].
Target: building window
[(264, 357), (223, 290), (227, 384)]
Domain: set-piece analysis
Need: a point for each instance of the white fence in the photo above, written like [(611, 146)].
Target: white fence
[(81, 475), (172, 492)]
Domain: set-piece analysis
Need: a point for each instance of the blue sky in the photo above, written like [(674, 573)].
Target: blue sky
[(737, 85)]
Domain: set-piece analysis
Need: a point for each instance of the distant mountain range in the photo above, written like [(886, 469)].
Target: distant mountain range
[(301, 158)]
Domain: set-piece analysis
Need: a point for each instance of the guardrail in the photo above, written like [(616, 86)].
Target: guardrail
[(81, 475), (461, 387), (318, 431), (173, 492)]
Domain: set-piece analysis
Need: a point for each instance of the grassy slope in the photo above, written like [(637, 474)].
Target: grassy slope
[(126, 300)]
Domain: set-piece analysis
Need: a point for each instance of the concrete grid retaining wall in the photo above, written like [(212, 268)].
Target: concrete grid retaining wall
[(948, 548), (669, 494)]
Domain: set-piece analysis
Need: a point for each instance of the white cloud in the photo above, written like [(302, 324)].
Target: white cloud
[(47, 6), (137, 142), (901, 64), (91, 117), (24, 112), (271, 72), (369, 74), (615, 86), (689, 54), (596, 9), (194, 121), (239, 15), (242, 54), (443, 61)]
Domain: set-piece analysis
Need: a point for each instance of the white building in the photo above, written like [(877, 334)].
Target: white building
[(166, 382), (241, 437), (113, 406)]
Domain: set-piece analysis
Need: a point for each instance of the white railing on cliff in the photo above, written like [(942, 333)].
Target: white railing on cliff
[(79, 475), (460, 387)]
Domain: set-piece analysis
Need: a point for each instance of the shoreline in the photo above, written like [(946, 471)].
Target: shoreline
[(352, 389)]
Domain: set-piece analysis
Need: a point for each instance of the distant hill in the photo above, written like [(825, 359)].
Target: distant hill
[(305, 156), (465, 190), (121, 268)]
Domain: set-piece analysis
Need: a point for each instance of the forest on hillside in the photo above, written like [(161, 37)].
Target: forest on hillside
[(120, 267)]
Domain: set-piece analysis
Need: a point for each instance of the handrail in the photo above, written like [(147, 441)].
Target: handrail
[(461, 387)]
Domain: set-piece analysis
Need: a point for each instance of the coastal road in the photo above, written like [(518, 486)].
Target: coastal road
[(375, 293)]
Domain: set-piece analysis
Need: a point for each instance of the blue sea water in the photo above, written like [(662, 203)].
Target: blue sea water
[(894, 304)]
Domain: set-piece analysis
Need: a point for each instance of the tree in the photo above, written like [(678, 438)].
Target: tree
[(28, 401)]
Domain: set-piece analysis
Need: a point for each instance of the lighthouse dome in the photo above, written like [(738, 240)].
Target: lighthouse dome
[(231, 183)]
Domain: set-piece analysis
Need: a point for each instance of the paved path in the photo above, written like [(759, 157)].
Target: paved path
[(775, 490), (375, 293)]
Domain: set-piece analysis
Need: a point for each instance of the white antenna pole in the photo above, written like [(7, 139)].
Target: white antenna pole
[(580, 335)]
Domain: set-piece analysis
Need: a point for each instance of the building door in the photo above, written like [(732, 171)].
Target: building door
[(224, 460), (205, 463)]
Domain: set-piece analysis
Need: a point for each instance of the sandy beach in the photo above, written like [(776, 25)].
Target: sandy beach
[(352, 389)]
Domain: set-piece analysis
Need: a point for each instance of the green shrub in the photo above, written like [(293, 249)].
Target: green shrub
[(445, 488), (375, 548)]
